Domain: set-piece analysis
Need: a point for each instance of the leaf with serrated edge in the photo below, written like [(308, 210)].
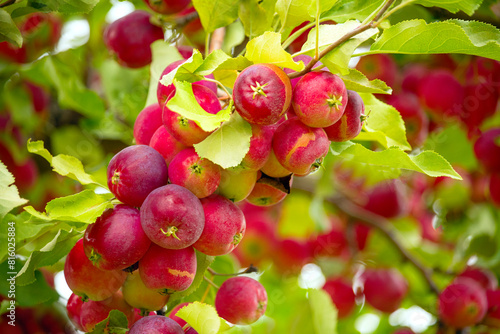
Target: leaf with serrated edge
[(256, 16), (202, 317), (293, 12), (324, 312), (9, 195), (351, 9), (184, 103), (82, 207), (317, 7), (185, 71), (453, 6), (452, 36), (216, 13), (233, 136), (357, 81), (384, 124), (427, 162), (63, 164), (267, 49)]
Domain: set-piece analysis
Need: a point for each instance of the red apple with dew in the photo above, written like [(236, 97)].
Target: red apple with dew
[(168, 270), (199, 175), (224, 226), (116, 240), (172, 217), (134, 172), (262, 93), (300, 148), (88, 281), (319, 99)]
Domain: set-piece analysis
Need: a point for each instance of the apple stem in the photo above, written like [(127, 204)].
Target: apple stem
[(211, 282)]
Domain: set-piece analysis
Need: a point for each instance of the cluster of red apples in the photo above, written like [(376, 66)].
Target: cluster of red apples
[(443, 91)]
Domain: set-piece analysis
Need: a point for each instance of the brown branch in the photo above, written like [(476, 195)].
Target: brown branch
[(7, 3), (372, 24), (382, 224), (217, 39), (378, 222)]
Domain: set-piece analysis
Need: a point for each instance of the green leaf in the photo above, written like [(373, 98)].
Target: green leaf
[(8, 30), (345, 10), (267, 49), (37, 293), (384, 124), (452, 36), (318, 7), (64, 164), (64, 6), (324, 313), (453, 6), (52, 252), (256, 16), (293, 12), (235, 35), (338, 59), (163, 55), (357, 81), (185, 72), (9, 195), (211, 63), (71, 91), (452, 143), (233, 136), (427, 162), (84, 207), (185, 104), (216, 13), (227, 72), (115, 323), (202, 317), (368, 175)]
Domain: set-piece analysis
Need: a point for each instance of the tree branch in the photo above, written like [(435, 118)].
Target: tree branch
[(378, 222), (7, 3), (217, 39), (382, 224), (372, 24)]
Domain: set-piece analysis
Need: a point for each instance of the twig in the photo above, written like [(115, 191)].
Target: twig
[(210, 282), (381, 224), (372, 24), (7, 3), (217, 39), (250, 269), (378, 222)]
